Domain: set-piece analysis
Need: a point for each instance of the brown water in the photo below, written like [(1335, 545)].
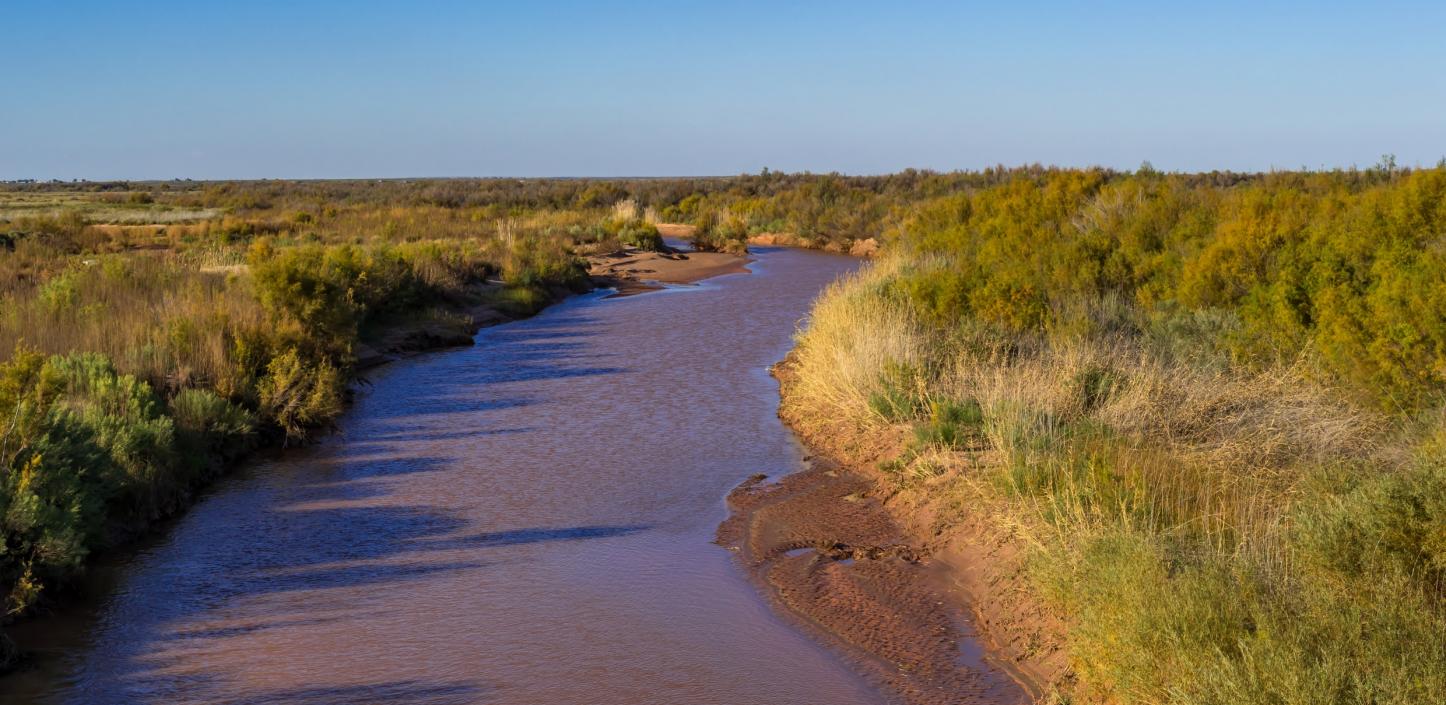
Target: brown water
[(528, 520)]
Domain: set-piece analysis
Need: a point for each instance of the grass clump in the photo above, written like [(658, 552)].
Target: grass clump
[(896, 397), (950, 424), (81, 442), (725, 232), (628, 226)]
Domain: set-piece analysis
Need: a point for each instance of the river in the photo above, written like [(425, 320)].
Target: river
[(527, 520)]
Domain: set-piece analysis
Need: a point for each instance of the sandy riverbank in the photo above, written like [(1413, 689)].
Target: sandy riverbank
[(928, 612), (633, 271)]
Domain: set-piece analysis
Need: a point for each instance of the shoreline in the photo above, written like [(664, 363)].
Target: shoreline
[(399, 340), (929, 613), (634, 272)]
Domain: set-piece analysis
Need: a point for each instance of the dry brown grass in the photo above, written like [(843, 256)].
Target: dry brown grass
[(1157, 494), (169, 323), (852, 335)]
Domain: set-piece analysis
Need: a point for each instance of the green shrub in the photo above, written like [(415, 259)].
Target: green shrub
[(299, 395), (637, 233), (721, 233), (897, 397), (939, 293), (1332, 266), (950, 424), (83, 443), (1355, 523), (535, 263), (126, 419), (209, 426)]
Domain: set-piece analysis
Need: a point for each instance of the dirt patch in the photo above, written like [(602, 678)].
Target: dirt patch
[(823, 548), (677, 230), (634, 271), (928, 602)]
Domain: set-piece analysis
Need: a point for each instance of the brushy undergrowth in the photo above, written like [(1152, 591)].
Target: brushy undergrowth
[(1211, 418), (721, 232), (129, 376)]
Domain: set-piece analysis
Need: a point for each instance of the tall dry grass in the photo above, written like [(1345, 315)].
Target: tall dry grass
[(626, 209), (853, 333), (135, 363), (1194, 519), (171, 324)]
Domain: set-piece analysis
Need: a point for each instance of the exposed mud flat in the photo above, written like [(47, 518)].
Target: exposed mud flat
[(929, 602), (825, 550), (634, 271)]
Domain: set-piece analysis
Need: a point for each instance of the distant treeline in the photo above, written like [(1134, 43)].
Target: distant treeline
[(819, 208)]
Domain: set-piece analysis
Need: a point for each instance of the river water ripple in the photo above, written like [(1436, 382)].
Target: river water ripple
[(528, 520)]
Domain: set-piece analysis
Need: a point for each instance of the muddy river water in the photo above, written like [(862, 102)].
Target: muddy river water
[(528, 520)]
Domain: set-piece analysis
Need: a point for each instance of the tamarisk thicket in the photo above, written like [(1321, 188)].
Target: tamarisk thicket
[(1209, 413)]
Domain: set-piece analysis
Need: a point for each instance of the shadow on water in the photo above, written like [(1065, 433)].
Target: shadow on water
[(524, 536), (416, 433), (206, 689), (319, 556), (297, 547), (321, 540), (543, 349), (402, 560), (396, 692)]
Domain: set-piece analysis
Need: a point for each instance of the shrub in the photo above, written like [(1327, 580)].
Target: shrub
[(83, 443), (209, 426), (1204, 490), (641, 235), (126, 419), (721, 233), (950, 424), (298, 395), (628, 225), (535, 263), (1355, 523)]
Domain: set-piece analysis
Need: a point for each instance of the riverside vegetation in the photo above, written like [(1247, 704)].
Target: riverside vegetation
[(1208, 412), (1207, 406), (149, 337), (152, 332)]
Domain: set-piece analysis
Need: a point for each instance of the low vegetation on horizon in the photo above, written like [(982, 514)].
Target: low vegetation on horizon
[(1211, 407)]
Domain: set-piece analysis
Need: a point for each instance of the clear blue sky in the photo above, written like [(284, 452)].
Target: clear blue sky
[(254, 89)]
